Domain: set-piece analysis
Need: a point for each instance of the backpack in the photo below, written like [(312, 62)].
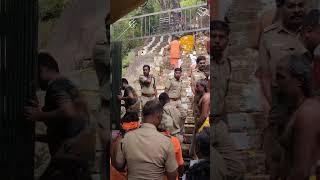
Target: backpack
[(199, 171)]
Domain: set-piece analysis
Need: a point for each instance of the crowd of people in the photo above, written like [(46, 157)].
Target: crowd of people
[(158, 139)]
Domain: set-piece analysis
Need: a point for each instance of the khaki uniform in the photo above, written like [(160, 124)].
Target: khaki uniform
[(276, 43), (174, 88), (196, 76), (147, 153), (220, 76), (224, 157), (172, 118), (147, 91)]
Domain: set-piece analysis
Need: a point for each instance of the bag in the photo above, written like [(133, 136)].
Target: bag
[(199, 171)]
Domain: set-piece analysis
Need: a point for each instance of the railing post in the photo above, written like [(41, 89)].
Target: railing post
[(116, 68)]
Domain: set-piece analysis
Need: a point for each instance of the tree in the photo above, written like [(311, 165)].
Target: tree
[(176, 16)]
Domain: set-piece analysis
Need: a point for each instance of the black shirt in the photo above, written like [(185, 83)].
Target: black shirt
[(62, 91), (127, 91)]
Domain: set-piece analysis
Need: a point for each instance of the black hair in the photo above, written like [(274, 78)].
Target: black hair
[(199, 58), (130, 117), (124, 80), (146, 66), (177, 69), (46, 60), (312, 18), (219, 25), (164, 98), (152, 107), (203, 140)]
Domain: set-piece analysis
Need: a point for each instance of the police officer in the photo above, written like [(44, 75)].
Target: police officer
[(147, 153), (148, 86), (277, 41), (174, 90)]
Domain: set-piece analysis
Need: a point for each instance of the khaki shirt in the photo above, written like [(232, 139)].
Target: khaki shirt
[(174, 88), (196, 76), (219, 80), (276, 43), (147, 153), (147, 89), (171, 118)]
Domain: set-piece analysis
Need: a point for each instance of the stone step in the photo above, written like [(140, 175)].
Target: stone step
[(257, 177), (188, 128), (189, 120), (188, 138), (185, 150)]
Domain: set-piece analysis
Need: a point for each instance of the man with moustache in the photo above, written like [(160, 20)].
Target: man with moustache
[(277, 41), (174, 90), (220, 66), (148, 86)]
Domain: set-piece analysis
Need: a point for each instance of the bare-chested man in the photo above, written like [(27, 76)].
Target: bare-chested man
[(204, 103), (204, 110), (301, 138)]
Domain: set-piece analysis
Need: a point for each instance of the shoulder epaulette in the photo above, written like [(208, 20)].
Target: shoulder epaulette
[(271, 27)]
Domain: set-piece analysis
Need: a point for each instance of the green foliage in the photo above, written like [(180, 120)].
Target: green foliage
[(127, 60), (186, 3), (51, 9)]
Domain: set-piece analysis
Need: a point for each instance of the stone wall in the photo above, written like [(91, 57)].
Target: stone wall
[(245, 115)]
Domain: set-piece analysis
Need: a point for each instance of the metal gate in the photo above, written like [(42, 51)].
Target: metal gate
[(18, 59), (116, 67)]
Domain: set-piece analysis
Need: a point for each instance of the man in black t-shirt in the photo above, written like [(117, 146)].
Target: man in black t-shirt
[(70, 139), (130, 97)]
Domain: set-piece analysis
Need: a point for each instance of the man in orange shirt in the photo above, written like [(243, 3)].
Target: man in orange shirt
[(175, 49)]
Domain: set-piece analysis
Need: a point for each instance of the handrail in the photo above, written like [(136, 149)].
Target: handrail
[(162, 12)]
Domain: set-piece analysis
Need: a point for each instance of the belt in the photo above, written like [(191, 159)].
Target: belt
[(175, 99), (147, 95)]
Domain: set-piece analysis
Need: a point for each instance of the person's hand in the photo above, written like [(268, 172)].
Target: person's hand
[(119, 97), (33, 111)]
